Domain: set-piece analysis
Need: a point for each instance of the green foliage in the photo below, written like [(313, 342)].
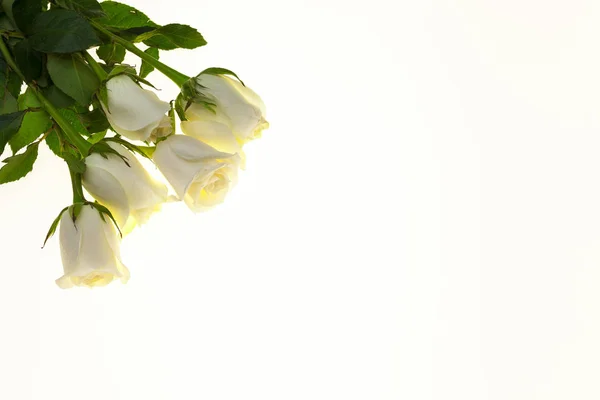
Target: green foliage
[(73, 119), (111, 53), (122, 16), (9, 126), (105, 150), (35, 124), (54, 225), (105, 211), (10, 87), (53, 143), (75, 164), (62, 31), (73, 77), (18, 166), (221, 71), (146, 68), (25, 11), (90, 8), (173, 36), (28, 60), (95, 121), (57, 97), (28, 100)]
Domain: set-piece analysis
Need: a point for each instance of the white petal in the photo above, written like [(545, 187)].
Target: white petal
[(131, 109), (242, 106), (212, 133)]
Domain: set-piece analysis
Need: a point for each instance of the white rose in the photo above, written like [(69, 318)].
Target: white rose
[(129, 192), (237, 107), (132, 111), (201, 175), (90, 251)]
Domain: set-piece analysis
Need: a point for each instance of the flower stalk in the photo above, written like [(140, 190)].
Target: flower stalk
[(177, 77), (78, 196), (98, 70)]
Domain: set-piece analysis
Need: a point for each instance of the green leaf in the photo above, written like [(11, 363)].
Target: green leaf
[(75, 164), (28, 60), (8, 104), (6, 23), (111, 53), (57, 97), (33, 126), (62, 31), (97, 136), (9, 126), (73, 119), (7, 7), (53, 143), (54, 225), (25, 11), (90, 8), (121, 69), (28, 100), (18, 166), (122, 16), (95, 121), (103, 210), (73, 76), (141, 150), (173, 36), (10, 87), (146, 68), (220, 71)]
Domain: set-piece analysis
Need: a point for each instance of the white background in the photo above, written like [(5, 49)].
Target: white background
[(422, 220)]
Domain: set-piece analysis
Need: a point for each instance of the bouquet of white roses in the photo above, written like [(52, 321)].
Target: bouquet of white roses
[(98, 115)]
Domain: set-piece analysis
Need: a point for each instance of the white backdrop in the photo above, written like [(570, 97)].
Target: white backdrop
[(422, 220)]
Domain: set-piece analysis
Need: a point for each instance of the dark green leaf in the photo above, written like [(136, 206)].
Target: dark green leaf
[(90, 8), (74, 77), (221, 71), (173, 36), (62, 31), (95, 121), (111, 53), (57, 97), (146, 68), (9, 126), (7, 7), (14, 84), (25, 11), (35, 124), (53, 142), (28, 60), (132, 34), (18, 166), (8, 104), (54, 225), (122, 16), (6, 23)]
